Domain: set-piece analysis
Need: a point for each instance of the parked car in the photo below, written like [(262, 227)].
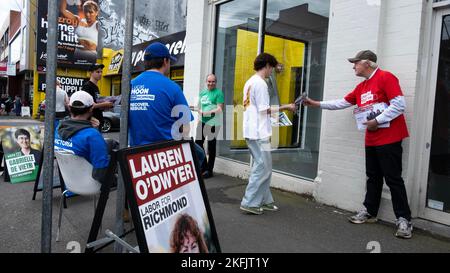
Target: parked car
[(111, 121)]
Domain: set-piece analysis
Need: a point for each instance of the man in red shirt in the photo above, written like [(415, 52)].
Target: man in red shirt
[(383, 142)]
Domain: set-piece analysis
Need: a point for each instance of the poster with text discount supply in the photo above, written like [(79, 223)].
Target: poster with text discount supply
[(22, 148), (168, 200)]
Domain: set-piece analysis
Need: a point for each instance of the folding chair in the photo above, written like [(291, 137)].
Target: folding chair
[(77, 174)]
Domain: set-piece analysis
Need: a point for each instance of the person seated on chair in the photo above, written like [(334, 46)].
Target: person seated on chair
[(79, 135)]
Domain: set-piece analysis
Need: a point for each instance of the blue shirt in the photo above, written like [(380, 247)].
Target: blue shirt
[(158, 109), (87, 143)]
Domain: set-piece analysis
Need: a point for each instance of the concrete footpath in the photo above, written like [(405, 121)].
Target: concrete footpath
[(301, 225)]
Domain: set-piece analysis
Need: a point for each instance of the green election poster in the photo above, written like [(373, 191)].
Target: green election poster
[(22, 148)]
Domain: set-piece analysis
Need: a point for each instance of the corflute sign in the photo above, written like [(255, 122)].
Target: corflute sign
[(168, 199)]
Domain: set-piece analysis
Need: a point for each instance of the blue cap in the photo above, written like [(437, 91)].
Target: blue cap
[(157, 50)]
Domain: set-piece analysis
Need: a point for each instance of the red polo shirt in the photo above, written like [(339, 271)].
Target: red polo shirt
[(382, 87)]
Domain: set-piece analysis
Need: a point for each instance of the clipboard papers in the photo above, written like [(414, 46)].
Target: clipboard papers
[(363, 114)]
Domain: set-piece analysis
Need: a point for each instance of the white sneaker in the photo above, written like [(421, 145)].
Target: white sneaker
[(404, 228), (362, 217)]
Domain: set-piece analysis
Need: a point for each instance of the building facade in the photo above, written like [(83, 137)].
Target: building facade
[(322, 154)]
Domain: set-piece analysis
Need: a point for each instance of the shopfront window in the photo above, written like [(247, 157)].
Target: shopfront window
[(296, 34), (236, 48)]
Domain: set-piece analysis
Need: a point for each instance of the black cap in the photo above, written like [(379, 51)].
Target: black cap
[(96, 66), (364, 55)]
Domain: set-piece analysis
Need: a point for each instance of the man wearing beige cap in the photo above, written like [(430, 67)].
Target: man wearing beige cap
[(383, 141), (78, 136)]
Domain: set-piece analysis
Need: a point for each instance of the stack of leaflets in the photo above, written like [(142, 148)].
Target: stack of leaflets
[(299, 100), (280, 120), (369, 112)]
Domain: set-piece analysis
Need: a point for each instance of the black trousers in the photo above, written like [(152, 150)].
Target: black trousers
[(386, 162), (209, 132)]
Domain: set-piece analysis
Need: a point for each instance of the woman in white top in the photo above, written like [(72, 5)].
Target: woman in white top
[(86, 30), (62, 102)]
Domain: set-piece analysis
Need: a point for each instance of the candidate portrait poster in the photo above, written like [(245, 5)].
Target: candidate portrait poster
[(22, 148), (78, 32), (168, 203)]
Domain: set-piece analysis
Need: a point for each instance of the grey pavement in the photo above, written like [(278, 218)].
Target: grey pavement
[(301, 225), (15, 120)]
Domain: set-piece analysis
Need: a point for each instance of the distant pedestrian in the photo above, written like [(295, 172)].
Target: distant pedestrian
[(3, 100), (62, 104), (17, 105), (257, 133)]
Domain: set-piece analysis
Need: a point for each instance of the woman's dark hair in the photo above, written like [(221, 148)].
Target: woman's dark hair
[(264, 59), (21, 132), (185, 223), (155, 63)]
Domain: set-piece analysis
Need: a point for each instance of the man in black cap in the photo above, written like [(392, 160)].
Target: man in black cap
[(384, 136), (91, 87)]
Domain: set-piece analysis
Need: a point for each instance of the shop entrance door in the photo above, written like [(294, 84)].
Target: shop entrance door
[(436, 195)]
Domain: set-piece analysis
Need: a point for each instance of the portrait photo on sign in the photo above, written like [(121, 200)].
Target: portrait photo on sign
[(168, 204), (22, 148)]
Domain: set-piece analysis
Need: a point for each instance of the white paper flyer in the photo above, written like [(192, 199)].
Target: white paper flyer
[(363, 114)]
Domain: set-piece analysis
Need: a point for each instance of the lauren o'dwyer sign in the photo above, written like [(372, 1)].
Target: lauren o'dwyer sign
[(168, 202), (22, 150)]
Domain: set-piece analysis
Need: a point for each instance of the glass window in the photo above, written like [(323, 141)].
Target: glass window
[(236, 38), (438, 194), (296, 34)]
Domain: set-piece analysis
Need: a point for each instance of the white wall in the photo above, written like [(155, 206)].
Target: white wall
[(199, 45)]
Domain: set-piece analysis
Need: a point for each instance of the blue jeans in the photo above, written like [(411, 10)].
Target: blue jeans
[(258, 192)]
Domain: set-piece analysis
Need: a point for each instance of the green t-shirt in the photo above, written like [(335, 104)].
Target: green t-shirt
[(209, 101)]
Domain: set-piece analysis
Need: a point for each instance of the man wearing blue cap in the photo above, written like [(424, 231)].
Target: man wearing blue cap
[(158, 107)]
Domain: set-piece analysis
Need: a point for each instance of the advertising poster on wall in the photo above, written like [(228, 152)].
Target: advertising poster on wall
[(176, 43), (22, 148), (152, 19), (78, 31), (168, 201)]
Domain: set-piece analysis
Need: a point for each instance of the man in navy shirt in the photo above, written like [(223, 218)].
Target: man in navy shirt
[(78, 136)]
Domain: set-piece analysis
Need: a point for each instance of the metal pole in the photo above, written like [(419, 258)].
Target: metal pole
[(50, 99), (123, 137), (262, 25)]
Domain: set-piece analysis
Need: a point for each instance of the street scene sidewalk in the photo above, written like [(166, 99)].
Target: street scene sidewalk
[(300, 226)]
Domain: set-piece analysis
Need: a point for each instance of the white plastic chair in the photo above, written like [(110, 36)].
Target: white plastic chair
[(77, 174)]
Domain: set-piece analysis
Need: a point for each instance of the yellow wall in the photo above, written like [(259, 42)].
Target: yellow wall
[(287, 52), (104, 84)]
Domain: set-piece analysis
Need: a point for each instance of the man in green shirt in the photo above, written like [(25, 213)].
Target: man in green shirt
[(210, 108)]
